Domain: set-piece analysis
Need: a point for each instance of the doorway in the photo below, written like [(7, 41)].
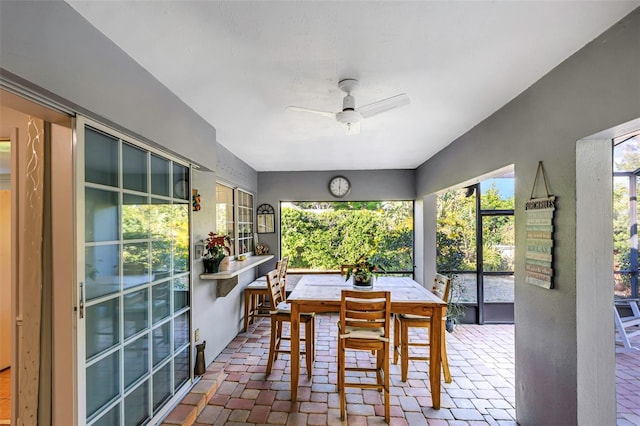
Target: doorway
[(35, 155)]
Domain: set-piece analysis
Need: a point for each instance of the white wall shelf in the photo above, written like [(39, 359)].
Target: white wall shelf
[(238, 267)]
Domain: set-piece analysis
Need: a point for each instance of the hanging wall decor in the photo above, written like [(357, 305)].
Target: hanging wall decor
[(266, 218), (539, 213), (195, 200)]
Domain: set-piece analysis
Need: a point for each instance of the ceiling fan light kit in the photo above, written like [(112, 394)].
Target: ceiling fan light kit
[(351, 116)]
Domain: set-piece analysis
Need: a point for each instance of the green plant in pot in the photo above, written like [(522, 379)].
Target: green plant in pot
[(216, 247), (363, 270), (456, 309)]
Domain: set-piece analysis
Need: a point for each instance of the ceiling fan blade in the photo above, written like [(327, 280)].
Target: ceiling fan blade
[(313, 111), (383, 105), (352, 128)]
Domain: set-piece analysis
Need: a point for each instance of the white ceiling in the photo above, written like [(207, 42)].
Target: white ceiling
[(239, 64)]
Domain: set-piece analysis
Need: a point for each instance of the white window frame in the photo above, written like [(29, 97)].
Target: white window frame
[(240, 215)]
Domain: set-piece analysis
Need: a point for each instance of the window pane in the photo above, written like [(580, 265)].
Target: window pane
[(468, 289), (225, 213), (498, 237), (103, 382), (180, 330), (134, 168), (102, 270), (101, 220), (135, 263), (498, 289), (112, 417), (181, 368), (160, 302), (180, 293), (102, 329), (135, 217), (180, 182), (160, 259), (161, 217), (161, 343), (456, 231), (161, 386), (100, 158), (180, 217), (136, 360), (136, 405), (136, 308), (160, 176), (497, 194)]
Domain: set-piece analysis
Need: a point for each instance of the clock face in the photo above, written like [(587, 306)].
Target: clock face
[(339, 186)]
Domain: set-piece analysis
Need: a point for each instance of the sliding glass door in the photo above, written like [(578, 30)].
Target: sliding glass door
[(133, 278)]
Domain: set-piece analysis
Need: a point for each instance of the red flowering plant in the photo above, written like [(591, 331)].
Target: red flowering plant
[(216, 246)]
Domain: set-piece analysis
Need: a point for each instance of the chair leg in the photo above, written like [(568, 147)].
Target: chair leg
[(396, 338), (308, 350), (445, 359), (341, 387), (385, 361), (404, 350), (272, 346), (247, 300)]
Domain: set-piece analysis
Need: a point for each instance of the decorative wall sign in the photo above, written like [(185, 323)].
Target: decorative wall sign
[(539, 214), (266, 219)]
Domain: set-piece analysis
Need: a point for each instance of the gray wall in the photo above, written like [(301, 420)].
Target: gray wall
[(595, 89), (48, 45), (366, 185)]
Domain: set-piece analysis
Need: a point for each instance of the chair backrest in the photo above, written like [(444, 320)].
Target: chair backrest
[(281, 267), (344, 268), (442, 287), (365, 309), (275, 289)]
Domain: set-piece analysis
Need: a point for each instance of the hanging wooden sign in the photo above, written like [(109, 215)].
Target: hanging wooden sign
[(539, 213)]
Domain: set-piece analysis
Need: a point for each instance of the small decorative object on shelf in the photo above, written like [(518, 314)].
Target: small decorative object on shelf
[(216, 248), (261, 249), (363, 271)]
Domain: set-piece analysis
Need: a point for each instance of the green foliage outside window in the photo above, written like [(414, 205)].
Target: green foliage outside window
[(322, 236), (456, 231)]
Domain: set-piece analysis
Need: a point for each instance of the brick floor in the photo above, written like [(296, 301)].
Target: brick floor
[(482, 393)]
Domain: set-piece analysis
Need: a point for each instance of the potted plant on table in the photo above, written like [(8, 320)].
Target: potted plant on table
[(363, 270), (216, 247)]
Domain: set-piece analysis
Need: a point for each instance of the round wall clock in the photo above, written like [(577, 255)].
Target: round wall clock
[(339, 186)]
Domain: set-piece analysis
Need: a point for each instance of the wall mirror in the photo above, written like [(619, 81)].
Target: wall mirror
[(266, 219)]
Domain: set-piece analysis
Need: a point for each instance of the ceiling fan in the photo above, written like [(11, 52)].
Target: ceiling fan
[(351, 116)]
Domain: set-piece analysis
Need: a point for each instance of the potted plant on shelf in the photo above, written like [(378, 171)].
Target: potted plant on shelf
[(455, 309), (216, 247), (363, 270)]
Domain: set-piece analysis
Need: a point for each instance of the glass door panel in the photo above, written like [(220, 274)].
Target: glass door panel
[(135, 326)]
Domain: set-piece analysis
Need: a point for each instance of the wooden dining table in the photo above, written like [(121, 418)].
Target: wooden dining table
[(321, 293)]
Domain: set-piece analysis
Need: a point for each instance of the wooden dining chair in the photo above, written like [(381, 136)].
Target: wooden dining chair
[(256, 294), (281, 313), (402, 324), (364, 325)]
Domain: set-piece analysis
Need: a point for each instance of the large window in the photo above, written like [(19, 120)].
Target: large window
[(320, 236), (134, 345), (235, 217)]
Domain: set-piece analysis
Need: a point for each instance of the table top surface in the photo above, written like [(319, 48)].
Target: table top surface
[(327, 287)]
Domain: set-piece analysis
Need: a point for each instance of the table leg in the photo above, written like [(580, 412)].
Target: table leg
[(435, 352), (295, 350)]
